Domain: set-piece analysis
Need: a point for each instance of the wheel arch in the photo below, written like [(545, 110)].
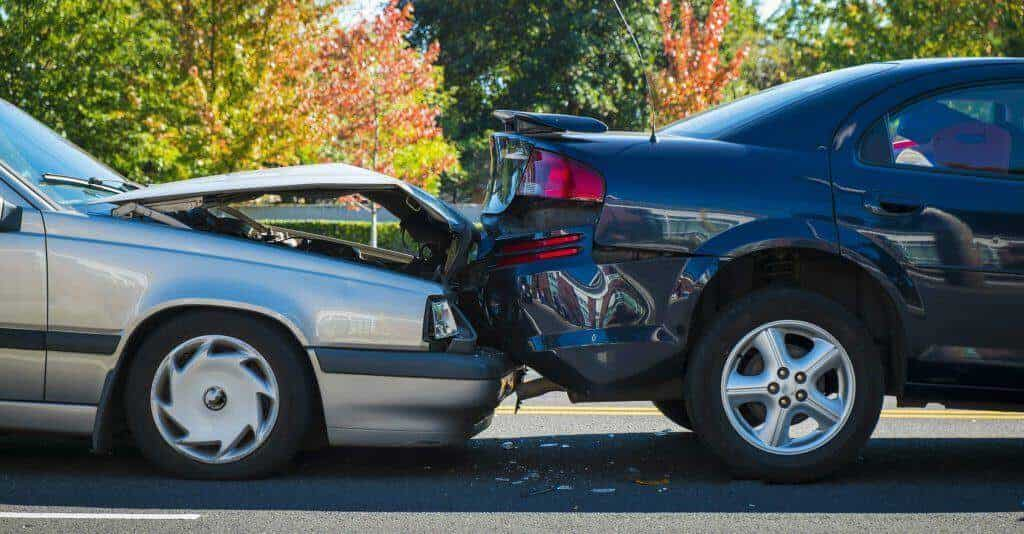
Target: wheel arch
[(859, 286), (110, 412)]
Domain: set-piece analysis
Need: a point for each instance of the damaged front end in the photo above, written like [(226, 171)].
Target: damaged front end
[(382, 381), (439, 238)]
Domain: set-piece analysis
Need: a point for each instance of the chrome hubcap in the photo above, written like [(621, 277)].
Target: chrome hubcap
[(214, 399), (787, 387)]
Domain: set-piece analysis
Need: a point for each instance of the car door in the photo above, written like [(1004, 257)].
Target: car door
[(934, 175), (22, 303)]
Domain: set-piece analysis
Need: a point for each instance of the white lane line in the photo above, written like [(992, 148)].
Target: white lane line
[(74, 515)]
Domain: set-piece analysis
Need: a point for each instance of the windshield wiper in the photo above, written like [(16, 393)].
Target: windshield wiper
[(91, 183)]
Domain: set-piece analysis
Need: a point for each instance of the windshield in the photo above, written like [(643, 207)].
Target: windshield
[(717, 121), (35, 152)]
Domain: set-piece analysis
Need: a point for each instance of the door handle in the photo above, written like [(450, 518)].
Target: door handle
[(884, 204)]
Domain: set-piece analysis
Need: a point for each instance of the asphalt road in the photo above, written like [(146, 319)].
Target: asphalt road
[(924, 470)]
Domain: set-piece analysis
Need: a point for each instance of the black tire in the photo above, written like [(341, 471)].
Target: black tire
[(675, 410), (704, 375), (295, 405)]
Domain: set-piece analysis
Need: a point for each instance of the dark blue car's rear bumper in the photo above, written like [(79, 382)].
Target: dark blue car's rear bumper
[(605, 331)]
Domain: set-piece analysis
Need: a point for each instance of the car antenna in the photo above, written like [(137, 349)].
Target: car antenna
[(643, 66)]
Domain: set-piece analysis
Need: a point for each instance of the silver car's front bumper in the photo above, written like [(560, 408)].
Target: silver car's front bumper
[(398, 398)]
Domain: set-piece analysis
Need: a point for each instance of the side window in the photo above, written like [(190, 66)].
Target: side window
[(975, 129)]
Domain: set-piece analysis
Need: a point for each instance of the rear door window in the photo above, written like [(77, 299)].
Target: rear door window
[(973, 130)]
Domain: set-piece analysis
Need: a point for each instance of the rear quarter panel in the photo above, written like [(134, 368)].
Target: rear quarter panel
[(714, 198)]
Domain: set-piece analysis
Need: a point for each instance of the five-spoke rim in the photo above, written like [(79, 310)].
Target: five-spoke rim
[(787, 387), (214, 399)]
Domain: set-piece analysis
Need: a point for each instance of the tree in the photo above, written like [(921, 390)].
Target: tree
[(92, 71), (695, 76), (383, 98), (812, 36), (169, 89), (245, 84)]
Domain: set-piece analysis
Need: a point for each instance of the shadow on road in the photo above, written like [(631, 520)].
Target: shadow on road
[(894, 476)]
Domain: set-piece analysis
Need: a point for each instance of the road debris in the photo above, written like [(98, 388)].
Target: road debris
[(501, 479), (663, 432), (658, 482), (603, 491), (564, 487), (546, 445), (540, 491), (508, 445)]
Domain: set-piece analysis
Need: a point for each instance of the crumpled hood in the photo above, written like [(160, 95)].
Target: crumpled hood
[(336, 178), (330, 176)]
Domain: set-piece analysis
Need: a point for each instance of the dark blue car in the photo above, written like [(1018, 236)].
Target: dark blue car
[(766, 271)]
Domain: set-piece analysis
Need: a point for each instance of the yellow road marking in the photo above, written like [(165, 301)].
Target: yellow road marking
[(894, 413)]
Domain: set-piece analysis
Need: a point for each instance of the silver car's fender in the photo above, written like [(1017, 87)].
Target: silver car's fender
[(108, 278)]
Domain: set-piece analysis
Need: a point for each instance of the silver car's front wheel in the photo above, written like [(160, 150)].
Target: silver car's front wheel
[(214, 399), (221, 395), (787, 387)]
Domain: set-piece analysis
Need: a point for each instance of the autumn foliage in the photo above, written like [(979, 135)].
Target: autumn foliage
[(696, 76), (244, 97), (382, 97)]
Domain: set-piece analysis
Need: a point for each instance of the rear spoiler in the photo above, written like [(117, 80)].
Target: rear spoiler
[(539, 123)]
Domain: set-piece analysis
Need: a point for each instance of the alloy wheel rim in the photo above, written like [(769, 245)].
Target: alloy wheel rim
[(214, 399), (788, 387)]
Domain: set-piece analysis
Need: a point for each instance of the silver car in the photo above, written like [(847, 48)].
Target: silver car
[(221, 344)]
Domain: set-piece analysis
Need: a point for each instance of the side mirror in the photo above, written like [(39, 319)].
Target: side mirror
[(10, 216)]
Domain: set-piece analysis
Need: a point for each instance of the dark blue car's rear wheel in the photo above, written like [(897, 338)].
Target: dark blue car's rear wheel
[(784, 385)]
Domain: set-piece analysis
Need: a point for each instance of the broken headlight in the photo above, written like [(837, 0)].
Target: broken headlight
[(441, 319)]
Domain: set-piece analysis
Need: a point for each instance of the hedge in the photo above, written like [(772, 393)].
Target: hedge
[(389, 235)]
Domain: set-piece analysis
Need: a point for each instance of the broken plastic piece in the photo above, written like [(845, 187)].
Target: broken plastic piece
[(603, 491)]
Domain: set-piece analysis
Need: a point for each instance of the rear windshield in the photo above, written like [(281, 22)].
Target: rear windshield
[(718, 120), (508, 159)]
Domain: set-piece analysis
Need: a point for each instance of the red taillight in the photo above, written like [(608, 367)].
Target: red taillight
[(538, 256), (523, 246), (523, 251), (551, 175)]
